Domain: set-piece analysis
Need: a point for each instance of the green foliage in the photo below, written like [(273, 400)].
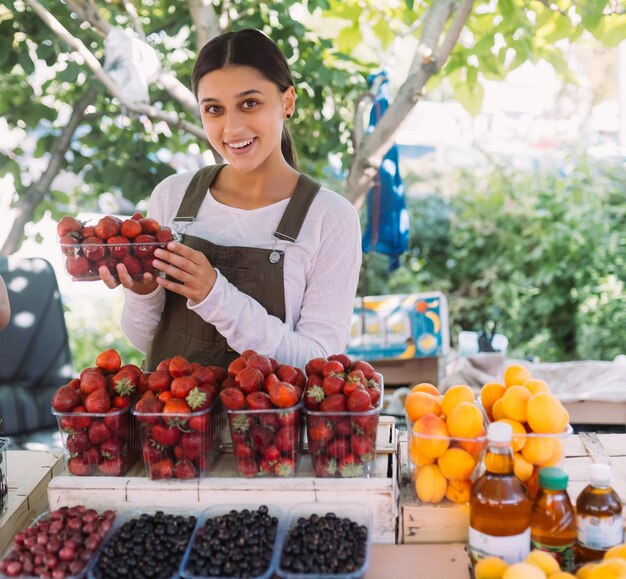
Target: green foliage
[(543, 253)]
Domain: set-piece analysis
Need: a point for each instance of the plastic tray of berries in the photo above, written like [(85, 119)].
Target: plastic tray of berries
[(143, 544), (263, 401), (180, 419), (58, 544), (331, 540), (93, 414), (237, 540), (4, 486), (342, 404), (111, 241)]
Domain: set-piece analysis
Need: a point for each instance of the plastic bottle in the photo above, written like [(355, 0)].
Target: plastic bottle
[(553, 519), (599, 515), (499, 503)]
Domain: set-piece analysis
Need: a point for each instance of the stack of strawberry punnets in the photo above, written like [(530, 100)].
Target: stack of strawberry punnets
[(94, 418), (180, 420), (263, 402), (342, 402), (130, 242)]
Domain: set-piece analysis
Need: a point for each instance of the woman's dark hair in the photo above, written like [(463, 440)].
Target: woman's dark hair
[(248, 47)]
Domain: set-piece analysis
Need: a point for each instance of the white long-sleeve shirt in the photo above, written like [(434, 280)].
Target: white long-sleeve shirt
[(321, 273)]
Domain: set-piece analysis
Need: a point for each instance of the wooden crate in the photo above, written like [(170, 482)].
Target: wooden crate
[(28, 473), (448, 522), (135, 490)]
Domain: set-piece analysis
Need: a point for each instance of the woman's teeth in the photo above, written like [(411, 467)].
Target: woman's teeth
[(241, 144)]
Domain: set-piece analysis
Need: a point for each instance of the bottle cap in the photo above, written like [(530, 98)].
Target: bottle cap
[(553, 478), (600, 473), (499, 432)]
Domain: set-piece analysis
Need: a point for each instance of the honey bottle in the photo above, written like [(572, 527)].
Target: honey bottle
[(599, 516), (552, 518), (499, 503)]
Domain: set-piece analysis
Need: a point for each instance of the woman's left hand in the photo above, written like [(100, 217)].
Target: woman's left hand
[(194, 274)]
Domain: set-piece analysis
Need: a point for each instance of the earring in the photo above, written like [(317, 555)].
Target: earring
[(288, 116)]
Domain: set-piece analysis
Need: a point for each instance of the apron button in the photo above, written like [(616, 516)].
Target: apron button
[(274, 257)]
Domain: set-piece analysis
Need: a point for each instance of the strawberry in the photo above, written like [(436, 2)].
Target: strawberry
[(270, 380), (67, 244), (111, 448), (266, 467), (261, 437), (374, 393), (271, 454), (359, 401), (318, 430), (200, 397), (118, 246), (314, 366), (343, 359), (164, 435), (179, 366), (98, 432), (79, 422), (162, 469), (258, 401), (65, 399), (284, 395), (93, 248), (244, 451), (366, 368), (159, 381), (249, 380), (116, 421), (366, 425), (247, 467), (125, 382), (89, 231), (74, 383), (120, 402), (239, 423), (181, 386), (324, 466), (229, 382), (362, 447), (148, 404), (98, 402), (176, 406), (236, 365), (133, 265), (218, 373), (333, 384), (343, 427), (332, 367), (286, 439), (289, 417), (164, 365), (269, 420), (78, 467), (109, 263), (334, 403), (184, 469), (91, 456), (92, 381), (149, 225), (350, 466), (261, 363), (77, 265), (146, 244), (107, 226), (109, 361), (191, 445), (112, 467), (284, 467), (204, 375), (164, 235), (247, 354), (232, 398), (338, 448), (151, 453), (130, 228), (199, 423), (314, 393), (68, 225), (77, 442), (137, 216), (287, 373), (356, 376), (148, 267)]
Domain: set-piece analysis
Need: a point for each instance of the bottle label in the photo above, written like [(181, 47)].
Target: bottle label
[(564, 554), (600, 532), (511, 549)]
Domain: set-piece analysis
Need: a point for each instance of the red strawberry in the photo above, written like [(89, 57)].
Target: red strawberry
[(219, 373), (108, 226), (98, 402), (284, 395), (366, 425), (65, 399), (164, 435), (109, 361), (359, 401), (191, 445), (338, 448), (343, 359), (79, 422), (333, 384), (115, 420), (149, 404), (77, 265), (118, 246), (179, 366), (247, 467), (130, 228), (133, 265), (89, 231), (201, 397), (137, 216), (342, 427), (148, 267), (362, 447), (111, 448), (229, 382), (162, 469), (93, 248), (78, 467), (112, 467), (163, 364), (92, 381), (149, 225), (109, 263), (200, 423), (77, 442), (356, 376), (164, 235), (249, 380), (67, 244), (261, 437), (334, 403), (159, 381), (289, 417), (287, 373), (232, 398), (332, 367), (204, 375), (182, 386), (151, 454), (184, 469), (261, 363), (146, 244), (236, 365), (284, 467), (247, 353), (324, 466), (286, 439), (366, 368), (350, 466), (91, 456), (67, 225), (98, 432), (125, 382), (258, 401), (74, 383), (314, 393), (314, 366), (244, 451), (120, 402), (271, 454), (374, 393), (318, 430)]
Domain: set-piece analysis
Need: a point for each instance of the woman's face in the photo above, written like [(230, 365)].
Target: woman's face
[(243, 114)]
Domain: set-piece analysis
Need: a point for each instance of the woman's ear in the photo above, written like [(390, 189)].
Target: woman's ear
[(289, 101)]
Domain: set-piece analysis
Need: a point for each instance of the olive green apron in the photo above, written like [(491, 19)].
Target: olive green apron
[(256, 272)]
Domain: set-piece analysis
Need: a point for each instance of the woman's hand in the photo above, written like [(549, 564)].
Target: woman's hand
[(194, 274), (142, 286)]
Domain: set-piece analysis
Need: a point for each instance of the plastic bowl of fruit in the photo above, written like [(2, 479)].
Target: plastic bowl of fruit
[(110, 241)]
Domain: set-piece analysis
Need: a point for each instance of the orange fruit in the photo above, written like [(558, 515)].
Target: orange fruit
[(426, 387), (455, 395), (489, 393), (516, 375), (419, 404)]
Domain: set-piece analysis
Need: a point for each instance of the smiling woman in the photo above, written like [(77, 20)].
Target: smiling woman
[(269, 258)]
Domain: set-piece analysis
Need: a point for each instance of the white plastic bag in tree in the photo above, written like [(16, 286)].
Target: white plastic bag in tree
[(131, 63)]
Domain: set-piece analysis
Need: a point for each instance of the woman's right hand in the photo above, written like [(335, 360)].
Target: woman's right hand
[(145, 285)]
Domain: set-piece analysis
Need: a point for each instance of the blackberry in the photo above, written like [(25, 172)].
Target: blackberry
[(148, 546), (235, 544), (324, 545)]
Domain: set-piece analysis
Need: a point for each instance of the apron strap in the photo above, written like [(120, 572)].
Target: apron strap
[(295, 213), (196, 191)]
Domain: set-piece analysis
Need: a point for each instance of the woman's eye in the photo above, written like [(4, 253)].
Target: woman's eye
[(212, 109), (250, 103)]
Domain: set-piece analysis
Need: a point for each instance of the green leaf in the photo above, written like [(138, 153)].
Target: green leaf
[(383, 33), (470, 96), (611, 30), (591, 12), (349, 38)]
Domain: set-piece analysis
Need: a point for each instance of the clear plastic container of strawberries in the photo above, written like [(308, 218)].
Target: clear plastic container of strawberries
[(342, 404), (94, 419), (263, 401), (110, 241), (180, 419)]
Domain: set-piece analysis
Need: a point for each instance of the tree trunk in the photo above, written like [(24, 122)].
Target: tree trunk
[(205, 21), (32, 195)]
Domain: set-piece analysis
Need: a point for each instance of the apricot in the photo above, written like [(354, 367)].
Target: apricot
[(475, 447), (458, 491), (544, 561), (609, 569), (465, 421), (562, 575), (519, 433), (546, 414), (523, 571), (490, 568), (456, 464), (416, 457), (497, 410), (514, 403), (539, 449), (516, 375), (431, 438), (430, 484), (535, 385), (419, 404), (617, 552), (557, 454), (584, 572), (426, 387), (455, 395), (489, 393), (522, 468)]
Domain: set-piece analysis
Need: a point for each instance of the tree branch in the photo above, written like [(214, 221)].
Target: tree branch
[(90, 14), (36, 191), (134, 18), (205, 21), (428, 60)]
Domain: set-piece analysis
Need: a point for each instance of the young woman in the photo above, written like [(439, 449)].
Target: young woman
[(269, 260)]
